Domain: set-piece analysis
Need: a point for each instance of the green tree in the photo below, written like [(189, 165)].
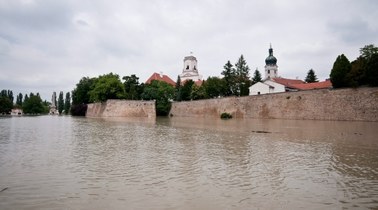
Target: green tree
[(372, 70), (339, 72), (60, 103), (311, 77), (162, 93), (198, 92), (178, 89), (242, 77), (46, 106), (107, 86), (256, 77), (357, 74), (229, 78), (368, 51), (80, 95), (25, 98), (67, 103), (6, 105), (215, 87), (186, 90), (132, 87), (19, 100), (33, 104), (6, 101)]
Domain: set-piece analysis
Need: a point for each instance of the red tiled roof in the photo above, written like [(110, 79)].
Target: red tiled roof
[(314, 85), (160, 77), (198, 82), (287, 82)]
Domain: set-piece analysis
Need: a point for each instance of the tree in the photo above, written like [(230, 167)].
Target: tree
[(256, 77), (60, 103), (80, 95), (242, 77), (33, 104), (162, 93), (6, 101), (339, 72), (6, 105), (67, 103), (198, 92), (357, 74), (311, 77), (25, 98), (215, 87), (368, 51), (19, 100), (132, 87), (107, 86), (178, 89), (372, 70), (229, 78), (186, 90)]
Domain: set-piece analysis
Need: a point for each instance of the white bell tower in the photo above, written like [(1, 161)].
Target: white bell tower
[(190, 70)]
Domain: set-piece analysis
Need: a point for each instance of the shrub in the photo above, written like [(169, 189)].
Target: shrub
[(226, 115)]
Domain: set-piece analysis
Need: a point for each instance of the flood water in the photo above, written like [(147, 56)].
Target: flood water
[(52, 162)]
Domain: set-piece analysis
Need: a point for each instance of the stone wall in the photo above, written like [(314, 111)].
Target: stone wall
[(122, 108), (359, 104)]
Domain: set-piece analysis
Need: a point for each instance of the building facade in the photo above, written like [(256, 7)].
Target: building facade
[(190, 70)]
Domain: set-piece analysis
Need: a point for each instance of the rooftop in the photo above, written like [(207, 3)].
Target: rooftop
[(160, 77)]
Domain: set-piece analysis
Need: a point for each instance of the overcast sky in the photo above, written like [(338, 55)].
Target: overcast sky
[(49, 45)]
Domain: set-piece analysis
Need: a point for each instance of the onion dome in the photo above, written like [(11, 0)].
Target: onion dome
[(271, 60)]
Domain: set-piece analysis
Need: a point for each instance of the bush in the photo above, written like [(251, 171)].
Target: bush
[(79, 109), (225, 116)]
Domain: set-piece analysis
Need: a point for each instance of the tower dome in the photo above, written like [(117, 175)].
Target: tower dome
[(271, 60), (271, 67)]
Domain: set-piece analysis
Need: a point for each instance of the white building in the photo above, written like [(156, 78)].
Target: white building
[(190, 70), (268, 85)]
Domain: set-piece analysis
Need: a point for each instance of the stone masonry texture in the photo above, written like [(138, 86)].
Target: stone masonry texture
[(122, 108), (360, 104)]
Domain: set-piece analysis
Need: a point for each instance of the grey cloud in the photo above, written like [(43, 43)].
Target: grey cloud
[(354, 31), (88, 38)]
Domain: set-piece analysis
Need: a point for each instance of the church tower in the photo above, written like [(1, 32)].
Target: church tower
[(271, 67), (190, 70)]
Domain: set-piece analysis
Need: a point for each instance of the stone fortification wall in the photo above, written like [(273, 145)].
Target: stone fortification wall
[(122, 108), (359, 104)]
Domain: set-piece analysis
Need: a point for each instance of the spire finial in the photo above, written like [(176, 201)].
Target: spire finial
[(270, 45)]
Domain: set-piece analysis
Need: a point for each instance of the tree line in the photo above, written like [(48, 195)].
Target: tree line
[(236, 82), (32, 103), (360, 72)]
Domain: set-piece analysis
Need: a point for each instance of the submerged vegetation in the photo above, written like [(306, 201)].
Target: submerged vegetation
[(225, 116)]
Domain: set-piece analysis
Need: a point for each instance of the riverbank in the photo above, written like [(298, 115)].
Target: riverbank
[(359, 104)]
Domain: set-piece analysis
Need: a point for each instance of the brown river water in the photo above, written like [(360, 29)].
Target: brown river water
[(52, 162)]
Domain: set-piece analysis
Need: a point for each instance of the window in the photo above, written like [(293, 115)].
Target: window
[(187, 67)]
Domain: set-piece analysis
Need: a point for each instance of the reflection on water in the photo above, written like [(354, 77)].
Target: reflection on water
[(55, 162)]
